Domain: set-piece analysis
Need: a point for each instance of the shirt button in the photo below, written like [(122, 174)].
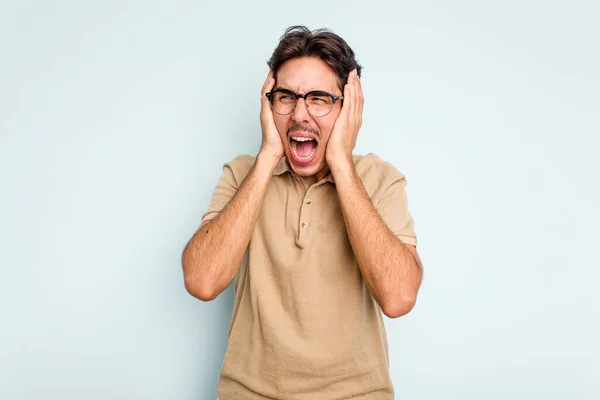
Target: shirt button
[(308, 201), (305, 224)]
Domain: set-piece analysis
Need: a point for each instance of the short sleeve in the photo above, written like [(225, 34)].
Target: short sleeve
[(393, 209), (224, 192), (234, 173)]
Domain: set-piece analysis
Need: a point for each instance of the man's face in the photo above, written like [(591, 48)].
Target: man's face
[(302, 75)]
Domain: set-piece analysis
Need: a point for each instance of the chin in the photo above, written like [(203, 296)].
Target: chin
[(307, 170)]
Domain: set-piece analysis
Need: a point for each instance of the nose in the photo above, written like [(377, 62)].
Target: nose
[(300, 113)]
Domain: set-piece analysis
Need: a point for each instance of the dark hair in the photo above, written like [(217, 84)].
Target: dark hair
[(299, 41)]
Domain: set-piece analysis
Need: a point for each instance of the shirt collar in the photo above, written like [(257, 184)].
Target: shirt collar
[(283, 166)]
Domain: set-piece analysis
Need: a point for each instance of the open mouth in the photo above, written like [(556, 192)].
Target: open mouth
[(303, 149)]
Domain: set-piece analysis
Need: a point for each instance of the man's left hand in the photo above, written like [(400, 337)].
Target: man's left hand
[(344, 133)]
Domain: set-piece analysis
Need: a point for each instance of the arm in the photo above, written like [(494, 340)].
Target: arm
[(391, 269), (213, 255)]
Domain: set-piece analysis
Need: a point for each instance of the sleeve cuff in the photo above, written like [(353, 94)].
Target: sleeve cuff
[(407, 239), (208, 216)]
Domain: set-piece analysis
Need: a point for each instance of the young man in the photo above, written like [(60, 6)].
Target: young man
[(320, 241)]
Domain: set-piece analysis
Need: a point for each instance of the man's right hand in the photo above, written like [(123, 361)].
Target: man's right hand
[(271, 141)]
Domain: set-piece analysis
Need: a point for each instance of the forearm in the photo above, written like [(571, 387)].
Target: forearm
[(390, 270), (213, 255)]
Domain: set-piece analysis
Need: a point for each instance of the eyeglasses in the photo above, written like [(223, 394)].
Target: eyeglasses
[(318, 102)]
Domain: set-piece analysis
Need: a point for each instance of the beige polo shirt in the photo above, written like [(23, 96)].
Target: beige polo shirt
[(304, 325)]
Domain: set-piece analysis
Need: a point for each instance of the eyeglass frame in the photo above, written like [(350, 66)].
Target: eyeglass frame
[(334, 99)]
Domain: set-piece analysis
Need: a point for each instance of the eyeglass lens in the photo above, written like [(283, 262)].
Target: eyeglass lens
[(318, 104)]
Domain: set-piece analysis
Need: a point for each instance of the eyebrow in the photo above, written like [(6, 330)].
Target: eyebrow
[(313, 90)]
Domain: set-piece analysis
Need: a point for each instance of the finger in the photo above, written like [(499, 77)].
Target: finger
[(347, 105), (352, 81), (359, 97), (268, 85), (357, 94)]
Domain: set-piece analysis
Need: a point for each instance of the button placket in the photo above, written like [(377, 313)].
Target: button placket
[(305, 212)]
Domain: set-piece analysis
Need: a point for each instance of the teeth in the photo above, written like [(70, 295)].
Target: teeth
[(301, 139), (303, 158)]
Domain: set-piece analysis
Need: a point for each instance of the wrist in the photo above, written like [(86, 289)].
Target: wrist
[(340, 162), (267, 159)]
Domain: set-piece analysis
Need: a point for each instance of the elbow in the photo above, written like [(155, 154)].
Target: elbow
[(399, 307), (195, 284), (200, 289)]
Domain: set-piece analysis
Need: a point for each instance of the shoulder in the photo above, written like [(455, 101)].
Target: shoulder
[(378, 176), (241, 162), (372, 169), (240, 166)]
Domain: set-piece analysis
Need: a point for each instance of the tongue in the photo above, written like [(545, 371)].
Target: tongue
[(303, 149)]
